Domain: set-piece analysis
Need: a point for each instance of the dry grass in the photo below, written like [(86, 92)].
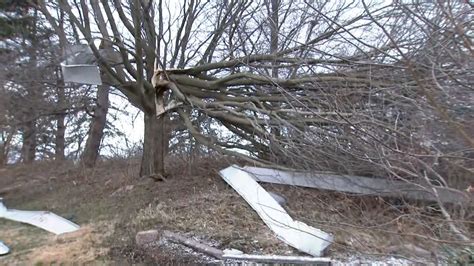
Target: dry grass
[(81, 247), (112, 205), (221, 216)]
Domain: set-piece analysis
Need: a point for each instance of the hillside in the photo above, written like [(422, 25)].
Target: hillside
[(112, 205)]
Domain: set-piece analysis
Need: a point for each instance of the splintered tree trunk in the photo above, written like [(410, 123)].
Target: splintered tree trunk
[(28, 150), (96, 131), (154, 147)]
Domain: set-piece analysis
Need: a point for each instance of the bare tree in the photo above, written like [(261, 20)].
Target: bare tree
[(99, 121), (97, 127), (357, 89), (133, 76)]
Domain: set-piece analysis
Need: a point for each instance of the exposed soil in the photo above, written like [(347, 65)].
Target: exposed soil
[(112, 204)]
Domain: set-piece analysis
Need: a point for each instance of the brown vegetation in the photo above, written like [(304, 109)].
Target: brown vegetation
[(112, 205)]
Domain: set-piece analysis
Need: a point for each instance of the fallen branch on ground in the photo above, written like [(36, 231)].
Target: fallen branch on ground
[(146, 237)]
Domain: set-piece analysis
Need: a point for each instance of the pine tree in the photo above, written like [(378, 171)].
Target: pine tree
[(15, 18)]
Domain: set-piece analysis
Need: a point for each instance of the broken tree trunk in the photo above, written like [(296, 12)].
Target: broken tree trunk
[(156, 141)]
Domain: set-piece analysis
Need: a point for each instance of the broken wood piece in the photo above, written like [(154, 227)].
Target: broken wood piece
[(159, 104), (145, 238), (356, 184), (201, 247), (171, 106), (278, 259)]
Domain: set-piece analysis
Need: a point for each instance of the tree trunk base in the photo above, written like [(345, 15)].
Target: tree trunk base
[(154, 148)]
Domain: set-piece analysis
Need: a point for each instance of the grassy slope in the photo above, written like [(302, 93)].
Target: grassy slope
[(112, 205)]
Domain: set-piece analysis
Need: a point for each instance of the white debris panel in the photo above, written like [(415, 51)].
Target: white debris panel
[(356, 184), (42, 219), (83, 74), (3, 249), (295, 233), (80, 64)]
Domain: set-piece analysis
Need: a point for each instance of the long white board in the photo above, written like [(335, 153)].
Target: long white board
[(357, 185), (295, 233)]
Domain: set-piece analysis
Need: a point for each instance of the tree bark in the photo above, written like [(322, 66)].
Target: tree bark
[(29, 143), (3, 154), (155, 145), (60, 137), (5, 140), (274, 25), (28, 150), (60, 142), (96, 131)]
